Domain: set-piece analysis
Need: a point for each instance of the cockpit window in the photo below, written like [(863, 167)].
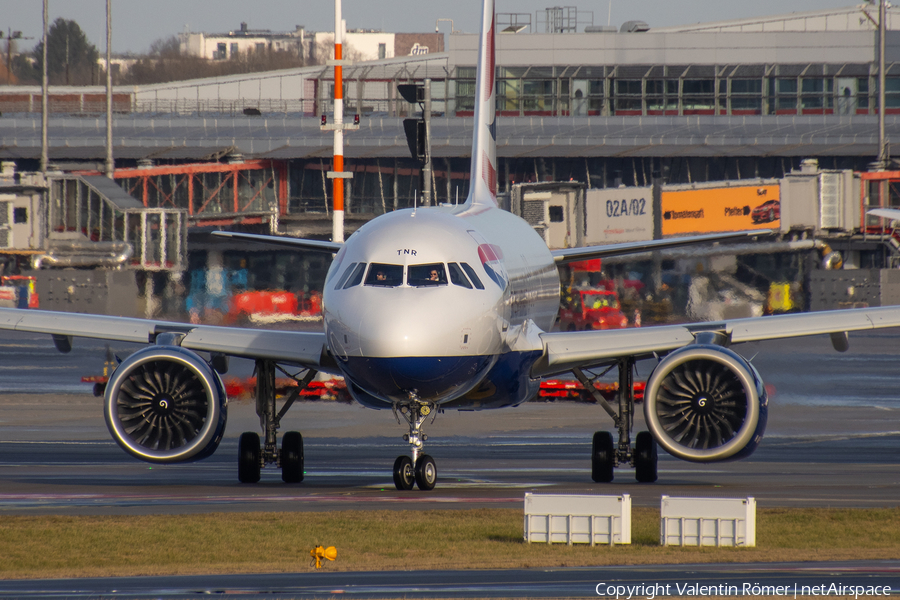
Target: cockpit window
[(423, 275), (335, 268), (457, 277), (345, 276), (356, 277), (385, 275), (471, 273)]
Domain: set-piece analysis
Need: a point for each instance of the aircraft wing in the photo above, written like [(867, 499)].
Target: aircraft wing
[(564, 351), (283, 240), (302, 348), (566, 255)]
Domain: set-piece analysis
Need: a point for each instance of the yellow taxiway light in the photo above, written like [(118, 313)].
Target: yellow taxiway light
[(320, 552)]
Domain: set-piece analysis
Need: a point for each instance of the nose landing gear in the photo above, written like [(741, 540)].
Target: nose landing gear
[(419, 469)]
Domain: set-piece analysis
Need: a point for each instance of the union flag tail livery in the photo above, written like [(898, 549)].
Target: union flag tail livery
[(483, 187)]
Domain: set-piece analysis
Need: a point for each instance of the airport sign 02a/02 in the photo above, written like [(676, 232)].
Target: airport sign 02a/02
[(619, 215)]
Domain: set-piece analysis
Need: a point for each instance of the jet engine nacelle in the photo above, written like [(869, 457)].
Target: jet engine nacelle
[(705, 403), (165, 404)]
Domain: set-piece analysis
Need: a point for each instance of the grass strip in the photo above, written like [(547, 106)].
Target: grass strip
[(67, 546)]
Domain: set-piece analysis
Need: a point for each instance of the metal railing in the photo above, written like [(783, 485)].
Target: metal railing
[(85, 227)]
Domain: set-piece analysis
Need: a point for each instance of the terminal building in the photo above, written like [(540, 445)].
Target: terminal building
[(785, 101)]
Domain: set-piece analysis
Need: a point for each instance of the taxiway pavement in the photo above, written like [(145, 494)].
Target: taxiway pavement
[(833, 440), (786, 580)]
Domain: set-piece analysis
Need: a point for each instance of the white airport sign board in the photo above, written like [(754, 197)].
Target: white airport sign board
[(618, 215)]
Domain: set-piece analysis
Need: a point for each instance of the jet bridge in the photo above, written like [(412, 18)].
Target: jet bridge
[(91, 222)]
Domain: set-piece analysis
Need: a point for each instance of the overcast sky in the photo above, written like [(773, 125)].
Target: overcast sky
[(137, 23)]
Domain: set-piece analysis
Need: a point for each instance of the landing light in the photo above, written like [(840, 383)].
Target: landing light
[(320, 552)]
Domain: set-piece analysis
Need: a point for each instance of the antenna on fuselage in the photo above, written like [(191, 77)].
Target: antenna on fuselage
[(415, 201)]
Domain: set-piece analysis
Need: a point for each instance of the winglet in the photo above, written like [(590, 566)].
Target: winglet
[(483, 180)]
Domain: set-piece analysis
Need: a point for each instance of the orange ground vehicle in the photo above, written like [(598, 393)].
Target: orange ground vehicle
[(587, 309), (273, 306)]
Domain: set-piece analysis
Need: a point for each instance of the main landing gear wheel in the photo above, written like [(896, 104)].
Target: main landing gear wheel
[(248, 458), (603, 457), (645, 458), (426, 473), (253, 454), (292, 457), (404, 474)]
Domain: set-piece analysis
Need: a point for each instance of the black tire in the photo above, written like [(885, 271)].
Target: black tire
[(426, 473), (404, 475), (645, 458), (603, 457), (292, 457), (248, 458)]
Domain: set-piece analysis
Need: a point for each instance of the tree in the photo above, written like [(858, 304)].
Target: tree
[(7, 74), (71, 58), (169, 47), (24, 71)]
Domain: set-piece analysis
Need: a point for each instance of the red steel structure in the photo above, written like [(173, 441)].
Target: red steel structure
[(879, 189), (214, 193)]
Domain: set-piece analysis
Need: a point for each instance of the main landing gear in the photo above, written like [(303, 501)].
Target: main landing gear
[(605, 454), (252, 455), (419, 469)]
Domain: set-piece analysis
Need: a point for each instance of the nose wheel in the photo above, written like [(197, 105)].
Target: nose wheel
[(404, 475), (419, 469), (426, 473)]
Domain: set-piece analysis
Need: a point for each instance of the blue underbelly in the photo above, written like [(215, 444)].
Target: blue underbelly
[(462, 383), (431, 379)]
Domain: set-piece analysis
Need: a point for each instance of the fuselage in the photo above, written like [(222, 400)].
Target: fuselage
[(427, 305)]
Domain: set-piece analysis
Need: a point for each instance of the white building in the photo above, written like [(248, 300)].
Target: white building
[(220, 46), (364, 44), (360, 45)]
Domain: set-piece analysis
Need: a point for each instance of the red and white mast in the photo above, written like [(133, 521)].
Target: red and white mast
[(338, 175), (337, 234)]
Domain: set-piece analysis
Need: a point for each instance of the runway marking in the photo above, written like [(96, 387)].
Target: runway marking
[(479, 484), (37, 368), (44, 499), (41, 501), (832, 437), (57, 443)]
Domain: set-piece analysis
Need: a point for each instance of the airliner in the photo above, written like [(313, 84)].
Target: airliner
[(445, 308)]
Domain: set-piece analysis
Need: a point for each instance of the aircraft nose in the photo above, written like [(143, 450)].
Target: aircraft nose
[(413, 348), (403, 328)]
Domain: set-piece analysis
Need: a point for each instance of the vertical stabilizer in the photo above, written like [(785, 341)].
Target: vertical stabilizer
[(483, 181)]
